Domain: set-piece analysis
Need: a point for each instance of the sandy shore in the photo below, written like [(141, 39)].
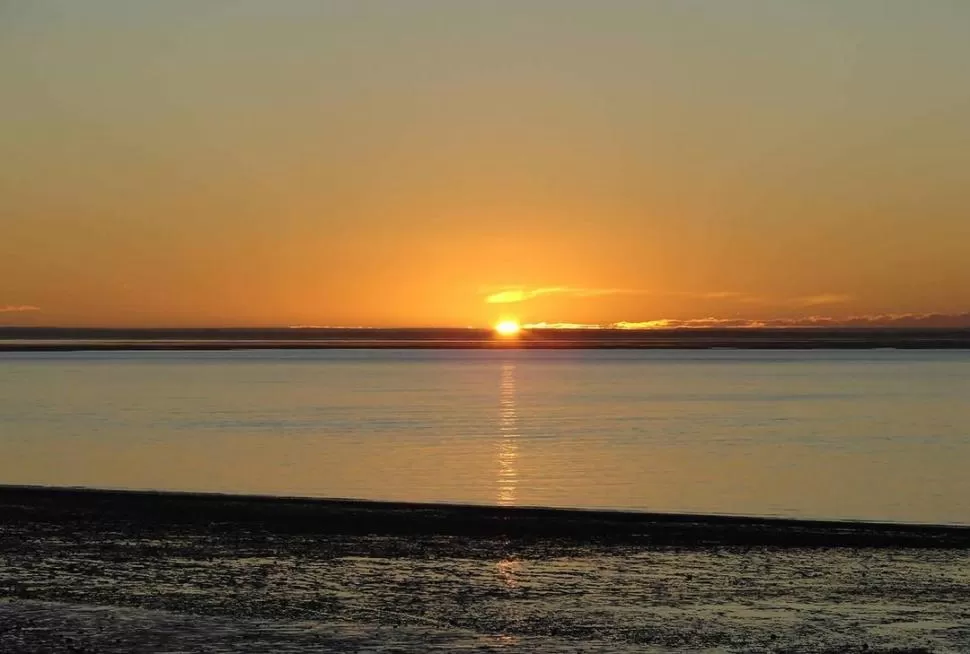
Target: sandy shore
[(100, 571), (149, 510)]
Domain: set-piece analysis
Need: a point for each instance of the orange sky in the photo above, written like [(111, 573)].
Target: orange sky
[(400, 162)]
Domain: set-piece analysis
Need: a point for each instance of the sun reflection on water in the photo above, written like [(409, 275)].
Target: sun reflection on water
[(509, 571), (508, 447)]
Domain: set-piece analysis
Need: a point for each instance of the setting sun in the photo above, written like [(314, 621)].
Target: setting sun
[(507, 328)]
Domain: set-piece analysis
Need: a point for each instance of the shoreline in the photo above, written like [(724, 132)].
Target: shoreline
[(112, 572), (32, 506), (498, 346)]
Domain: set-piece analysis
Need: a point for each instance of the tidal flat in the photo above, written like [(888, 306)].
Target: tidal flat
[(112, 572)]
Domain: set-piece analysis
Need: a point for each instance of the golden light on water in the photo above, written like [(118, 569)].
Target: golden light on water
[(508, 447), (508, 570), (508, 328)]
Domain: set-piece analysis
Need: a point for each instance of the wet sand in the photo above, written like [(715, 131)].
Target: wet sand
[(97, 571)]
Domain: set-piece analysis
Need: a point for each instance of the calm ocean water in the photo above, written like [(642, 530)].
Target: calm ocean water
[(871, 434)]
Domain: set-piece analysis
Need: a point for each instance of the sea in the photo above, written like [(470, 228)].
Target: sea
[(854, 434)]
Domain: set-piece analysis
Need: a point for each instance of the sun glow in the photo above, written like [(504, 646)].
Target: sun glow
[(508, 328)]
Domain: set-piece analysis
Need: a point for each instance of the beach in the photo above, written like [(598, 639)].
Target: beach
[(114, 571)]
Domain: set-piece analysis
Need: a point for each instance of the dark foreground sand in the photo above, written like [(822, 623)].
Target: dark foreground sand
[(94, 571)]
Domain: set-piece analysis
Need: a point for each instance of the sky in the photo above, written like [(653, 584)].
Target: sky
[(457, 162)]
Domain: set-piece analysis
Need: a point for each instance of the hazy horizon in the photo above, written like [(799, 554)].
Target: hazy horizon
[(907, 323)]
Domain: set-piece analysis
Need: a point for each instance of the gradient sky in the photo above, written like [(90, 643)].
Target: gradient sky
[(402, 162)]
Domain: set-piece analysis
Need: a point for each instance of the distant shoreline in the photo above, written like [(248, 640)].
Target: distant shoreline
[(59, 339), (232, 347), (35, 506)]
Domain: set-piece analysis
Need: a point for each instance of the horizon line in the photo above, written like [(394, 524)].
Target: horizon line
[(606, 327)]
